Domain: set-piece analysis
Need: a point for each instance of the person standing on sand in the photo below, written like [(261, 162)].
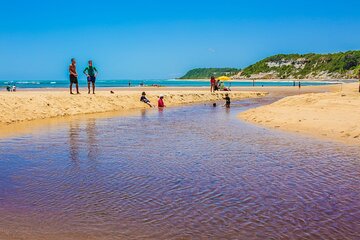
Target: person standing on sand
[(212, 84), (359, 79), (73, 76), (91, 73)]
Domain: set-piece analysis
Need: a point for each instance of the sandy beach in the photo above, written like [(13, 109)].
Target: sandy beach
[(334, 115), (32, 105)]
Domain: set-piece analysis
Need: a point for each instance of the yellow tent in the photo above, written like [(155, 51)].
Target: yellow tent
[(224, 78)]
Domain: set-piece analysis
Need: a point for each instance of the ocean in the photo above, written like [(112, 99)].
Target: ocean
[(157, 82)]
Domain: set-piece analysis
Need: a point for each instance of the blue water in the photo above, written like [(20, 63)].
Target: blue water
[(136, 83)]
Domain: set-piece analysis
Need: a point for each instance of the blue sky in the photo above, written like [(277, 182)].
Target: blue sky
[(141, 39)]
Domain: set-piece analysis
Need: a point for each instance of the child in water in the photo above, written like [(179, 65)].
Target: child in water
[(161, 103), (228, 101)]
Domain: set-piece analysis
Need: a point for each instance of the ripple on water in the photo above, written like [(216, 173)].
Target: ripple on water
[(191, 172)]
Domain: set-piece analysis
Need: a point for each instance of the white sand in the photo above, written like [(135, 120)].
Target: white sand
[(333, 115)]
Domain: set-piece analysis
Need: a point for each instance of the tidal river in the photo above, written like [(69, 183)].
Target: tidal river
[(194, 172)]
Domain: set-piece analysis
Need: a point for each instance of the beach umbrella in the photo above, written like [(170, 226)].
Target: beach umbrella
[(224, 78)]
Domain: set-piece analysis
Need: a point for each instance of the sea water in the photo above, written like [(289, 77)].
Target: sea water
[(165, 83)]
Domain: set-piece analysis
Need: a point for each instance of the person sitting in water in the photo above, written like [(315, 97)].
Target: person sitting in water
[(161, 103), (145, 100), (228, 101)]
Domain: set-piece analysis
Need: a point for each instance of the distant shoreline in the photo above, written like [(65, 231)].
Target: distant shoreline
[(279, 80), (195, 83)]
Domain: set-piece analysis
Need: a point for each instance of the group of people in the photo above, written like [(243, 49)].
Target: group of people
[(90, 71), (217, 85), (161, 103), (145, 100), (11, 88)]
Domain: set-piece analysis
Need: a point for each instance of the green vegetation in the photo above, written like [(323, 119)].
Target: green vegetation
[(345, 65), (205, 73), (301, 66)]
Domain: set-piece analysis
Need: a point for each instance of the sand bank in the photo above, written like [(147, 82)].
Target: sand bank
[(32, 105), (334, 115)]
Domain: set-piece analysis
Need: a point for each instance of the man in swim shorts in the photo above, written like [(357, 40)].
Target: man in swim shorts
[(91, 72), (73, 76)]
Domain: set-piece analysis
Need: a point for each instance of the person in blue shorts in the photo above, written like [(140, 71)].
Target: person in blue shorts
[(91, 73)]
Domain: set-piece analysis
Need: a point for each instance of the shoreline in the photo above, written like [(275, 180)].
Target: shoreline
[(190, 88), (128, 96), (315, 82), (332, 115), (27, 109), (32, 105)]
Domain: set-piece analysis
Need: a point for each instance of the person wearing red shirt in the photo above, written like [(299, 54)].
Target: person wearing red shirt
[(212, 84), (161, 103)]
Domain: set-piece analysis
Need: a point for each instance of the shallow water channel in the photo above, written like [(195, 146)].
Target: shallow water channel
[(193, 172)]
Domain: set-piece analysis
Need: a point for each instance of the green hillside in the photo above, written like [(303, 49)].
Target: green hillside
[(205, 73), (343, 65)]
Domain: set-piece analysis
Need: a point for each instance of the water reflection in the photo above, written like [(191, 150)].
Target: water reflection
[(143, 113), (74, 141), (92, 141)]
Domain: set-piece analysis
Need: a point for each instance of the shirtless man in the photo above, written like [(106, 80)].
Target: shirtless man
[(73, 76)]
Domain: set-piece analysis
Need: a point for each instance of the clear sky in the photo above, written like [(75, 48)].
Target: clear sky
[(143, 39)]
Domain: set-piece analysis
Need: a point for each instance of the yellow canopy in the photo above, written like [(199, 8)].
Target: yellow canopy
[(224, 78)]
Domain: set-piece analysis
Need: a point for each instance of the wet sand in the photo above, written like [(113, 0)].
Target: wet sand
[(334, 115)]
